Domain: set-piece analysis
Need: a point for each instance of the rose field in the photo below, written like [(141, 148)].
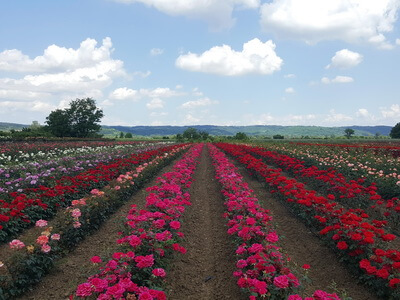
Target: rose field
[(166, 220)]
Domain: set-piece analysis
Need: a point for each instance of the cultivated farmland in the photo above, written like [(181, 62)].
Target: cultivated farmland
[(140, 220)]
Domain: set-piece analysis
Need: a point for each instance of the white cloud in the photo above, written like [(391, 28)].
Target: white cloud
[(353, 21), (391, 113), (290, 76), (155, 103), (345, 59), (256, 57), (199, 103), (160, 93), (337, 79), (124, 94), (217, 13), (289, 90), (190, 120), (33, 106), (397, 41), (156, 51), (362, 112), (59, 59)]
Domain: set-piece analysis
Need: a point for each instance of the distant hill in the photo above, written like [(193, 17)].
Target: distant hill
[(8, 126), (265, 130), (256, 130)]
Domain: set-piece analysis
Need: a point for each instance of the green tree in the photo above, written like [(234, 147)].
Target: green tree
[(278, 137), (79, 120), (241, 136), (121, 135), (348, 132), (395, 132), (58, 123), (128, 135), (191, 134)]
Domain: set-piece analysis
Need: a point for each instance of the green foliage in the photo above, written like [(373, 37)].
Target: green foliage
[(241, 136), (278, 137), (348, 132), (79, 120), (192, 134), (395, 132), (128, 135)]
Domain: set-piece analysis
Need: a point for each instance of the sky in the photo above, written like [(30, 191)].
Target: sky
[(203, 62)]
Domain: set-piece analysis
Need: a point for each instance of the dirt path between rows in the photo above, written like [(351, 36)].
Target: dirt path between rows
[(304, 247), (76, 266), (206, 270)]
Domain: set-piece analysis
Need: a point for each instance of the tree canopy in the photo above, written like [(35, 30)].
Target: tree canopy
[(348, 132), (80, 119), (395, 132)]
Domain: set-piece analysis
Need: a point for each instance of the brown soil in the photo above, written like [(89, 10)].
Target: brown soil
[(206, 270), (76, 266), (303, 247)]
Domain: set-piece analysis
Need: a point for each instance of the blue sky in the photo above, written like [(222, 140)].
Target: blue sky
[(187, 62)]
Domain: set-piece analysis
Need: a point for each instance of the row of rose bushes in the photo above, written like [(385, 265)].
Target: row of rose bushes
[(18, 177), (150, 238), (380, 168), (34, 257), (24, 209), (351, 193), (11, 152), (262, 268), (359, 241)]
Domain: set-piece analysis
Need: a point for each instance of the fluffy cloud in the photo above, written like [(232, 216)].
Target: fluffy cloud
[(32, 106), (59, 59), (362, 112), (190, 120), (345, 59), (353, 21), (155, 103), (199, 103), (124, 94), (337, 79), (391, 113), (289, 90), (256, 57), (60, 72), (217, 13), (130, 94)]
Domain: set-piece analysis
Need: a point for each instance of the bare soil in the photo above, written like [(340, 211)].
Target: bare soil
[(304, 247), (205, 271)]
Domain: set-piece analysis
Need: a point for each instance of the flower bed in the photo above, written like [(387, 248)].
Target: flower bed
[(52, 166), (351, 193), (359, 241), (34, 258), (262, 267), (137, 271), (41, 203)]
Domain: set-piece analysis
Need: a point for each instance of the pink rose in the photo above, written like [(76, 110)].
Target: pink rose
[(159, 272), (281, 282), (41, 223)]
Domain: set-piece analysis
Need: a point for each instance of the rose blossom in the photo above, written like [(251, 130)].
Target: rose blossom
[(281, 282), (159, 272), (16, 244), (41, 223)]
